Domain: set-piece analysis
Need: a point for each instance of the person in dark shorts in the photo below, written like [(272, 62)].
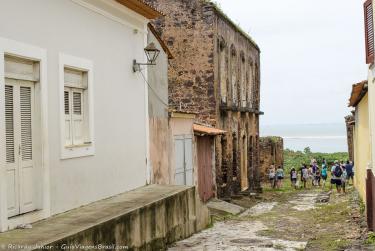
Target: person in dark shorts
[(336, 173), (349, 172), (279, 176)]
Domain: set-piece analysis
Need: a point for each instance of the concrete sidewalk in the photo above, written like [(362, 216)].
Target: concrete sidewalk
[(151, 215)]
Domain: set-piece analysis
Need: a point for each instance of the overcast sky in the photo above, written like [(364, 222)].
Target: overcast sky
[(312, 53)]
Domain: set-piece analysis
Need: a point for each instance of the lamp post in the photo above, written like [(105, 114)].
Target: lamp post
[(152, 54)]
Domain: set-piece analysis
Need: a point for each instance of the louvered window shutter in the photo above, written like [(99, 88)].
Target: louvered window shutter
[(9, 124), (77, 115), (68, 118), (26, 123), (369, 31)]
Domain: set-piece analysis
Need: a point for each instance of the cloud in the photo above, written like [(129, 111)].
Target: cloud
[(312, 52)]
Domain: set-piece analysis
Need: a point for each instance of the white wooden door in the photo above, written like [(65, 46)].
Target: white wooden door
[(184, 160), (180, 160), (19, 110), (189, 179)]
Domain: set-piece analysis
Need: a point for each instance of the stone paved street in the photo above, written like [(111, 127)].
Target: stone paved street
[(287, 220)]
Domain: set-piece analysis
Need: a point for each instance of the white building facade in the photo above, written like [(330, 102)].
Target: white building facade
[(74, 125)]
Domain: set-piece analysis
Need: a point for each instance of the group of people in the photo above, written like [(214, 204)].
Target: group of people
[(340, 174), (276, 176)]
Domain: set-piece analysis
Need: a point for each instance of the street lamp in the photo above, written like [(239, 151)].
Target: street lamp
[(152, 54)]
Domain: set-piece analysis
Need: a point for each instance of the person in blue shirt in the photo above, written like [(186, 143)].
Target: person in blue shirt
[(349, 171), (324, 174)]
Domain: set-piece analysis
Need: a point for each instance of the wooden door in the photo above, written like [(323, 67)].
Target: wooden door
[(19, 110), (205, 166)]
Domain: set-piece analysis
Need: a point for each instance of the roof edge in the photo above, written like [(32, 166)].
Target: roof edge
[(142, 8), (231, 22), (359, 90), (161, 42)]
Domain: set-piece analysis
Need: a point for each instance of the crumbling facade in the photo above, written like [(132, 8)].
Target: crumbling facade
[(271, 153), (216, 74), (350, 121)]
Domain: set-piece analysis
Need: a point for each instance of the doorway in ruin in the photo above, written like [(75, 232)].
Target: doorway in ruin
[(251, 161), (244, 178)]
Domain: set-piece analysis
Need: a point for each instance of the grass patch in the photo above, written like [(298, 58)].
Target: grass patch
[(370, 238), (267, 232), (339, 244), (279, 247)]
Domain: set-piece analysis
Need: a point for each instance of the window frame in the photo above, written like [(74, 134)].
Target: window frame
[(86, 66)]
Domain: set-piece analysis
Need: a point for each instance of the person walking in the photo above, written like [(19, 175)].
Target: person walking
[(324, 173), (271, 176), (317, 176), (279, 176), (349, 172), (310, 175), (304, 175), (293, 177), (343, 178), (314, 170), (336, 173)]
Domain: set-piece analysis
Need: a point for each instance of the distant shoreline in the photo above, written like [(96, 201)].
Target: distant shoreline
[(313, 137)]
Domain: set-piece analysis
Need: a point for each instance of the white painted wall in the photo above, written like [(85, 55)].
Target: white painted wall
[(63, 26)]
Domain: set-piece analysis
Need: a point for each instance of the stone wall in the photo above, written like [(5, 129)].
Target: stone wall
[(216, 74), (271, 153), (349, 120), (188, 31), (237, 81)]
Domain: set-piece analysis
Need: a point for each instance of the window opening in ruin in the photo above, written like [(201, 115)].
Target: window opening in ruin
[(234, 171), (224, 162)]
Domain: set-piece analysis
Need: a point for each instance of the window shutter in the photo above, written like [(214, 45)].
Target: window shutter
[(66, 103), (369, 31), (26, 123), (68, 120), (9, 124), (77, 117)]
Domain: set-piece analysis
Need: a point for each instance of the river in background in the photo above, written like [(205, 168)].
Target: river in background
[(326, 138)]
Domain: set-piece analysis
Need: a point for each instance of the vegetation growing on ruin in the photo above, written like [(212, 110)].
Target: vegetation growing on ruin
[(297, 158)]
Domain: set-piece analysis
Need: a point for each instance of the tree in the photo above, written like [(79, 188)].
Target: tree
[(307, 150)]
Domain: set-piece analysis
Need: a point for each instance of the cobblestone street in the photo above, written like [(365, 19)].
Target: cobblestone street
[(287, 220)]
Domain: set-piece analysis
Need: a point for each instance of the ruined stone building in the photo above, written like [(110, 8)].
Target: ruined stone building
[(350, 121), (271, 153), (215, 73)]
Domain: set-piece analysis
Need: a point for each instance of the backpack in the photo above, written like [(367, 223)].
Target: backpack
[(338, 171)]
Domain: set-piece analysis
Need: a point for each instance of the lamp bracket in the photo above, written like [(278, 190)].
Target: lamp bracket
[(137, 66)]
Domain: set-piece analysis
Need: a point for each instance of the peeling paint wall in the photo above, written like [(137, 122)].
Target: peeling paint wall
[(160, 133)]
